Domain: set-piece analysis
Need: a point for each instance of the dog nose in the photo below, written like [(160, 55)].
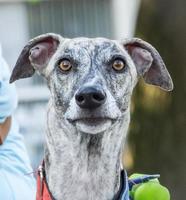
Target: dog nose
[(90, 97)]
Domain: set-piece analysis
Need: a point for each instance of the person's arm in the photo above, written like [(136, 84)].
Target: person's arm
[(16, 182), (4, 129)]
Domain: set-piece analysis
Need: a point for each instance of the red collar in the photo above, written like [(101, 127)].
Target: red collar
[(43, 192)]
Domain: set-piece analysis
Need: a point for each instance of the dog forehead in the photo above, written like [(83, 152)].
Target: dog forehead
[(91, 44)]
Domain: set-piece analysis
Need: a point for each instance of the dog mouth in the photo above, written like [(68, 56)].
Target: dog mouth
[(94, 120), (93, 125)]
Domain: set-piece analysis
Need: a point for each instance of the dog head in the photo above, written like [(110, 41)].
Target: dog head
[(91, 80)]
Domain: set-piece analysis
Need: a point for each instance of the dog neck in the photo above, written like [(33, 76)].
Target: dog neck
[(83, 166)]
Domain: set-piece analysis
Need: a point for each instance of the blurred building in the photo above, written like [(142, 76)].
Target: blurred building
[(21, 20)]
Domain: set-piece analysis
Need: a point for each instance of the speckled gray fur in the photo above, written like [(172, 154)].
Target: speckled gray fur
[(83, 160)]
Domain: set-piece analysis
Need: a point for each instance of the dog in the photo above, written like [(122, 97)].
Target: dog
[(91, 82)]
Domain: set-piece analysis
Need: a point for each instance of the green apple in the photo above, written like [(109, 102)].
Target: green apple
[(137, 175), (151, 190)]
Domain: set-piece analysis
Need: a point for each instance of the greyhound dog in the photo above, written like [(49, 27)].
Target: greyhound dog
[(91, 82)]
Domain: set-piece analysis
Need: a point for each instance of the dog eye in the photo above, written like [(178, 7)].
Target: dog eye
[(118, 65), (65, 65)]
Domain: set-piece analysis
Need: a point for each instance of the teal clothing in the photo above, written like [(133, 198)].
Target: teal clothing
[(15, 181), (8, 96)]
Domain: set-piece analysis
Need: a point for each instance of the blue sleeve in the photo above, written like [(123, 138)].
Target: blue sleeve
[(16, 182)]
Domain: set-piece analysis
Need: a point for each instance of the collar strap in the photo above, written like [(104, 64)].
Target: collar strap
[(123, 193), (43, 192)]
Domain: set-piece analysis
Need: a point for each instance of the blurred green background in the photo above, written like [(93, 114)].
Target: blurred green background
[(158, 130)]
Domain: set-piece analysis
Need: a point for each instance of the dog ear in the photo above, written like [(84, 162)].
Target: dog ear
[(35, 55), (149, 63)]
